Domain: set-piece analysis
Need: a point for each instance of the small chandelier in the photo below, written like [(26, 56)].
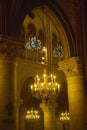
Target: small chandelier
[(32, 115), (45, 87), (64, 116)]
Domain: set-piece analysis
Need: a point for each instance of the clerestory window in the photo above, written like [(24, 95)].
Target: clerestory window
[(33, 43)]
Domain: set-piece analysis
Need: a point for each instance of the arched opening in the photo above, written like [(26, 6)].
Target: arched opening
[(29, 102)]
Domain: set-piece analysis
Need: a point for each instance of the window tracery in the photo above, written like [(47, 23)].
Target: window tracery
[(57, 49), (33, 43)]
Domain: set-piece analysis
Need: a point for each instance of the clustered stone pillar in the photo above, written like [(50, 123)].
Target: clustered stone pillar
[(8, 85), (76, 96), (7, 94), (49, 111)]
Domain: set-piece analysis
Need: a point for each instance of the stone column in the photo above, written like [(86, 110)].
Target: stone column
[(49, 110), (8, 84), (22, 118), (76, 97)]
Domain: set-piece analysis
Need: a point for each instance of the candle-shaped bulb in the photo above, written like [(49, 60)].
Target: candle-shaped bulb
[(31, 87)]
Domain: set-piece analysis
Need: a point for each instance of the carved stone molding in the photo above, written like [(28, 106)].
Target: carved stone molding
[(10, 49), (71, 67)]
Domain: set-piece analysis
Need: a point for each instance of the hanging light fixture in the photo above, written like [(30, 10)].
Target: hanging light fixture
[(45, 87), (32, 115), (64, 116)]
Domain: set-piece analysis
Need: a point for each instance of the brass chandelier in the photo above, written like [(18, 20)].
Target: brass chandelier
[(45, 87), (32, 115), (64, 116)]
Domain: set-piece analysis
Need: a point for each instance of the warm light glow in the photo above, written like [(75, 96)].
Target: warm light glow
[(44, 49), (45, 86), (42, 62), (44, 57), (32, 115)]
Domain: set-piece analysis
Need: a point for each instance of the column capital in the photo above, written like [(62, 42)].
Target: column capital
[(10, 48), (71, 67), (50, 106)]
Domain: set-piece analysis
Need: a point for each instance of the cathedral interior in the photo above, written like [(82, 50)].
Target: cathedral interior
[(45, 38)]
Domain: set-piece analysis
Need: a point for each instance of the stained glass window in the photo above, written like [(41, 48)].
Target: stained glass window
[(58, 51), (33, 43)]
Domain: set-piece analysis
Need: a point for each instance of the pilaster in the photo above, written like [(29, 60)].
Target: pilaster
[(76, 97)]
